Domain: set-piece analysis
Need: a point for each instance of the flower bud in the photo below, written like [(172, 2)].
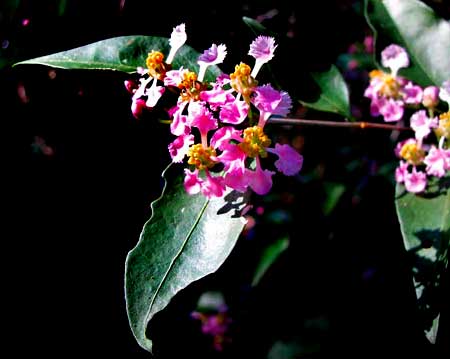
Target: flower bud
[(430, 96)]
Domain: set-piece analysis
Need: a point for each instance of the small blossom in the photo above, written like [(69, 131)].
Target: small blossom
[(430, 96), (271, 102), (422, 124), (394, 57), (416, 181), (412, 94), (213, 56), (437, 161), (289, 162), (177, 39), (401, 171), (262, 49), (179, 147)]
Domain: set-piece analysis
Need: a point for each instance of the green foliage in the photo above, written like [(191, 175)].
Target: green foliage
[(414, 26), (186, 238), (333, 93), (124, 53), (270, 254), (425, 226)]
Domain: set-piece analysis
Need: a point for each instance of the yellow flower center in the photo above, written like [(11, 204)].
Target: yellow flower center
[(255, 142), (242, 81), (200, 156), (157, 68), (444, 126), (390, 87), (412, 153), (190, 87)]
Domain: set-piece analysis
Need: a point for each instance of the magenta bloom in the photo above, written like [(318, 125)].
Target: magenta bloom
[(213, 56), (437, 161), (401, 171), (422, 124), (289, 162), (416, 181), (394, 57), (259, 180), (271, 102), (234, 112), (262, 49), (179, 147)]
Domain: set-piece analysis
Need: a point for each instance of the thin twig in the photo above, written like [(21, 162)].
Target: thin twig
[(361, 125)]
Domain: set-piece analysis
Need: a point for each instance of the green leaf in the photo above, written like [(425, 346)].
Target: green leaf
[(123, 53), (333, 193), (256, 27), (268, 257), (187, 238), (425, 226), (414, 26), (333, 96)]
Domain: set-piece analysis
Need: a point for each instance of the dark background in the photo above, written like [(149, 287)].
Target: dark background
[(73, 216)]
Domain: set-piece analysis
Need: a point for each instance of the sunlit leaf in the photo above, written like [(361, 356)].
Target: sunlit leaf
[(123, 53), (414, 26), (186, 238), (425, 226)]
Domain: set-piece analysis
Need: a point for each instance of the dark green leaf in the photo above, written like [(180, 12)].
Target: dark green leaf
[(414, 26), (186, 238), (425, 225), (256, 27), (333, 96), (333, 192), (123, 53), (268, 257)]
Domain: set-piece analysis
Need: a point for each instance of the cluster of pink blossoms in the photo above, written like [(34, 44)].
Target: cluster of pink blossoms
[(219, 126), (427, 154)]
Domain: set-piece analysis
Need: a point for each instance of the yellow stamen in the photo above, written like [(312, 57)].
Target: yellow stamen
[(255, 142), (242, 81), (412, 153), (190, 87), (157, 68), (390, 87), (443, 129), (200, 156)]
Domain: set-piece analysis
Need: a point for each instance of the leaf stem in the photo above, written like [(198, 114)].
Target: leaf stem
[(361, 125)]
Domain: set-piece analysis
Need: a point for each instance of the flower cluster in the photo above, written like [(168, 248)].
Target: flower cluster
[(219, 126), (427, 154)]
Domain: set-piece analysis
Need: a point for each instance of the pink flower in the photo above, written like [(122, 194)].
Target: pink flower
[(177, 39), (217, 96), (262, 49), (259, 180), (179, 124), (174, 77), (289, 160), (416, 181), (437, 161), (412, 94), (213, 186), (395, 58), (422, 125), (391, 110), (213, 56), (234, 112), (192, 182), (401, 171), (222, 136), (200, 117), (271, 102), (179, 147)]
